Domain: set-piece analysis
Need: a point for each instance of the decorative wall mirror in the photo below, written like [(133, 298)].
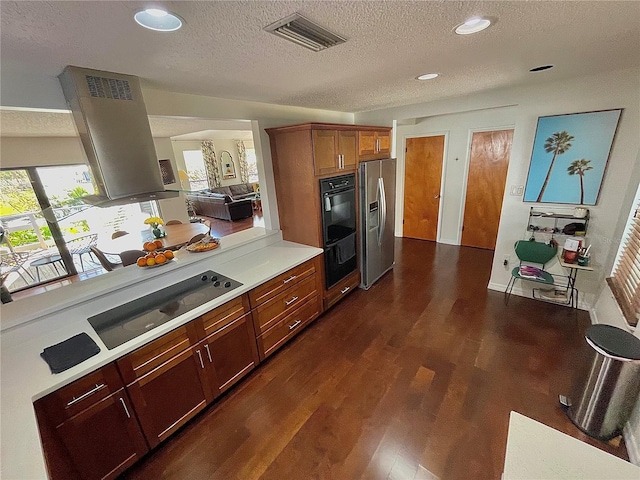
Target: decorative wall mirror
[(228, 168)]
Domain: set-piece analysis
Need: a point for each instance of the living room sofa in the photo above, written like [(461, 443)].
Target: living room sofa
[(232, 202)]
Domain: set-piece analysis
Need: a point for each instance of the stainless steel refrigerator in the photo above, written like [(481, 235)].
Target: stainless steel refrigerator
[(377, 190)]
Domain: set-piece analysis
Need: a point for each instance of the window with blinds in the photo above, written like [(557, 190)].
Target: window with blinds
[(625, 278)]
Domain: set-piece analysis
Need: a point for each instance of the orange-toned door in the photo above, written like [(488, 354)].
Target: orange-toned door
[(423, 176), (488, 164)]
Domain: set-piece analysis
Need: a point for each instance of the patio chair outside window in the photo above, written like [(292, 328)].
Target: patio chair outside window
[(81, 245), (15, 262)]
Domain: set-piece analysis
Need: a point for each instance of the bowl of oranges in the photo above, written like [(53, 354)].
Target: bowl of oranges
[(155, 257)]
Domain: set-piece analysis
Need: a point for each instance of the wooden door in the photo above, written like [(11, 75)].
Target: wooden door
[(422, 179), (325, 157), (488, 164), (103, 440), (231, 353), (347, 147)]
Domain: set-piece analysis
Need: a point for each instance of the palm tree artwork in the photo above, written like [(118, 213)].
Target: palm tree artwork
[(558, 143), (578, 167)]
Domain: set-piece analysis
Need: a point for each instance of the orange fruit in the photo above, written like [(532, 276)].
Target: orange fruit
[(141, 262), (160, 258), (151, 262), (168, 254), (149, 246), (158, 243)]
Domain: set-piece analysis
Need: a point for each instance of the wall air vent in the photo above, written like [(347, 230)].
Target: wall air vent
[(303, 31)]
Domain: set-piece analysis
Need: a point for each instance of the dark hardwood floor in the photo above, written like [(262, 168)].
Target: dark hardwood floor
[(221, 228), (413, 379)]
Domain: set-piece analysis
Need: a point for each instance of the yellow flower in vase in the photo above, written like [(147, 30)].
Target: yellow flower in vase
[(155, 223)]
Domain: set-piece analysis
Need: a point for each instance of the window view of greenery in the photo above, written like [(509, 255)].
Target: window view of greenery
[(195, 169), (29, 253)]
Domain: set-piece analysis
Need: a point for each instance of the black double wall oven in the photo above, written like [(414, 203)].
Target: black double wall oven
[(338, 199)]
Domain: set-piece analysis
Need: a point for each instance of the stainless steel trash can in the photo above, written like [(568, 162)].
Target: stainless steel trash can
[(603, 398)]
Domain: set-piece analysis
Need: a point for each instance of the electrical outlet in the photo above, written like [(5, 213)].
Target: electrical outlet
[(505, 260)]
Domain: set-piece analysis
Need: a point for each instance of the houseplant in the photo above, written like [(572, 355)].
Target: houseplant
[(155, 223)]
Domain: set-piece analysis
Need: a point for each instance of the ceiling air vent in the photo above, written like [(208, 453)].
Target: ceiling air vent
[(303, 31)]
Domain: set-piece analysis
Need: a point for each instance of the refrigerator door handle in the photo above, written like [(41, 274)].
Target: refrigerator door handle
[(382, 210)]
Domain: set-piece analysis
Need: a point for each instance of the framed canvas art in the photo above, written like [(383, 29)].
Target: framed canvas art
[(569, 157)]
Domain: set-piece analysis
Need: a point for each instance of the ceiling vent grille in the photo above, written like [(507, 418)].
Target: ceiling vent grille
[(303, 31)]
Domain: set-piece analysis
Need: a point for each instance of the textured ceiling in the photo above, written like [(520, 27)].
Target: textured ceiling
[(222, 50)]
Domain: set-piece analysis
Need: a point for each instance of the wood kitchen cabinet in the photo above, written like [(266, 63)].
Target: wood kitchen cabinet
[(167, 382), (228, 344), (334, 151), (89, 429), (284, 305), (101, 424), (300, 153), (341, 289), (374, 144)]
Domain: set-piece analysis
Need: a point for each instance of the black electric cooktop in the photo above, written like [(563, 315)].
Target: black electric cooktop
[(123, 323)]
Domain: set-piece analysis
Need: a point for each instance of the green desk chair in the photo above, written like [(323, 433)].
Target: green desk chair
[(532, 254)]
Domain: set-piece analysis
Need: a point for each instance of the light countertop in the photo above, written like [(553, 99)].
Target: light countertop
[(31, 324), (536, 451)]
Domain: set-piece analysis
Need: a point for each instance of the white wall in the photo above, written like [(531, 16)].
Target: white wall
[(171, 208), (599, 92)]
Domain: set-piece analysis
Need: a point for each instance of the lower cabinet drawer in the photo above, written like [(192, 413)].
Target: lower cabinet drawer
[(286, 328), (269, 313), (341, 289), (81, 394)]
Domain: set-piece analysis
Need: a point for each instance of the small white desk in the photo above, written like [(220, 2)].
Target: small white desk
[(535, 452), (571, 284)]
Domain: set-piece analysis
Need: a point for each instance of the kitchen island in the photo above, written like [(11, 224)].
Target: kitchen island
[(251, 257)]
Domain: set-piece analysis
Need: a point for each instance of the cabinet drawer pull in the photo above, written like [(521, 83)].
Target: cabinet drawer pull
[(206, 347), (345, 290), (292, 277), (85, 395), (124, 405), (291, 301), (200, 357), (295, 324)]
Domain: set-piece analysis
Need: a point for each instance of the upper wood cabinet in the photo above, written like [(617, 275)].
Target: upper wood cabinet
[(374, 144), (334, 151), (301, 154)]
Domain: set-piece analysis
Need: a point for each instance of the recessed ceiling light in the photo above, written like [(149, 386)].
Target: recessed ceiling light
[(427, 76), (158, 20), (539, 69), (472, 25)]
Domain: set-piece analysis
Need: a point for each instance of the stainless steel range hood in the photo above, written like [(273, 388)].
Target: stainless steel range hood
[(111, 118)]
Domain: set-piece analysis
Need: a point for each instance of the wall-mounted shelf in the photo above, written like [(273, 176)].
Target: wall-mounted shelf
[(553, 223)]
